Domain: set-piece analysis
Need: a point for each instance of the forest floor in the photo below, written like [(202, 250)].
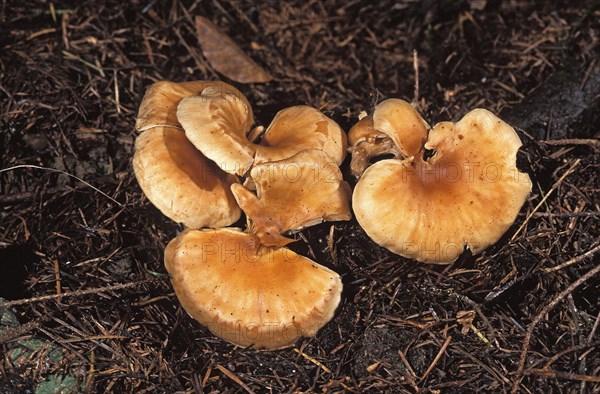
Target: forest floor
[(88, 305)]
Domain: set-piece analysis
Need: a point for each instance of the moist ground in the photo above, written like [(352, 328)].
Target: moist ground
[(71, 79)]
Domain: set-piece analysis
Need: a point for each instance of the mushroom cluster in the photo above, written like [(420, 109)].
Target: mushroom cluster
[(200, 162), (447, 188)]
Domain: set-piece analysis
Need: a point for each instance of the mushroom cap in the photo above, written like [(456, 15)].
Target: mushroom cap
[(217, 124), (159, 105), (467, 194), (247, 294), (294, 193), (402, 123), (366, 142), (300, 128), (364, 131), (182, 183)]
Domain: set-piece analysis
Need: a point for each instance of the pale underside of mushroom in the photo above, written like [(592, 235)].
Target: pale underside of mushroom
[(292, 194), (183, 184), (466, 195), (248, 294), (159, 105)]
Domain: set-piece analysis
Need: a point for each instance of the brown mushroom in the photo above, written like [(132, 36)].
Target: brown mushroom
[(366, 142), (398, 120), (218, 126), (248, 294), (159, 105), (461, 188), (294, 193), (183, 184), (244, 290), (300, 128)]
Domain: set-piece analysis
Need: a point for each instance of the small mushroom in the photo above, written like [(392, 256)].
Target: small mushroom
[(366, 142), (395, 128), (159, 105), (218, 126), (248, 294), (458, 188), (183, 184), (292, 194)]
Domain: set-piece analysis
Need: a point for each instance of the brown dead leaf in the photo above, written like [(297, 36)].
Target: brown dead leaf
[(226, 57)]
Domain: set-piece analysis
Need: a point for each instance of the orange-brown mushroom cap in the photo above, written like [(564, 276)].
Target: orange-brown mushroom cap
[(402, 123), (300, 128), (247, 294), (467, 194), (217, 125), (395, 128), (294, 193), (159, 105), (182, 183)]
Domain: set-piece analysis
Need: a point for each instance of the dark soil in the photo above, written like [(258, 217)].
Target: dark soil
[(71, 78)]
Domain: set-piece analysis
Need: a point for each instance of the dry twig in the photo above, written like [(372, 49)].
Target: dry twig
[(524, 348)]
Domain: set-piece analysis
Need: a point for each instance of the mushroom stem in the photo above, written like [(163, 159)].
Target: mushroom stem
[(256, 133), (263, 226)]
